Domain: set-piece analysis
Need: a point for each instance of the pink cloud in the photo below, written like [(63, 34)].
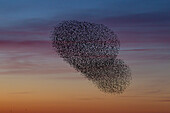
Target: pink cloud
[(29, 57), (7, 32), (38, 57), (138, 50)]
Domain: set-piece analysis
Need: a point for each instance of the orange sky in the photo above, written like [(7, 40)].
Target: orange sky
[(70, 93), (38, 81)]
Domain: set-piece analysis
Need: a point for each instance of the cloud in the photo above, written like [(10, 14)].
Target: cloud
[(137, 50), (29, 29), (25, 46), (30, 57), (68, 77), (151, 27), (20, 93), (168, 100), (38, 57), (135, 96), (90, 99), (141, 19), (158, 91)]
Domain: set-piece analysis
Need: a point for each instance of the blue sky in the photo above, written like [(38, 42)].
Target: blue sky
[(141, 25), (16, 12)]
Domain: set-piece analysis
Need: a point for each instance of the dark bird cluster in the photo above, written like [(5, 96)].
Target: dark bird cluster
[(92, 50)]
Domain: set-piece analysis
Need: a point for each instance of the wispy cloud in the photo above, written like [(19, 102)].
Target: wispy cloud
[(33, 57), (20, 93), (168, 100), (143, 19), (137, 50), (90, 99), (68, 77)]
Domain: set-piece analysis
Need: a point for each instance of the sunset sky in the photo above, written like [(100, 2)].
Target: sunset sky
[(34, 79)]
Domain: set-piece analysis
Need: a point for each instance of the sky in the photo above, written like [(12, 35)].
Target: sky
[(34, 79)]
